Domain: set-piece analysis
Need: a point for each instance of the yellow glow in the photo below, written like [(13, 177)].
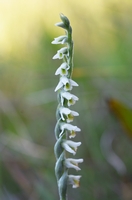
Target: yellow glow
[(21, 20)]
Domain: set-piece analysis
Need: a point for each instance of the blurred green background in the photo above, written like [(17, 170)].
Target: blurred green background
[(102, 33)]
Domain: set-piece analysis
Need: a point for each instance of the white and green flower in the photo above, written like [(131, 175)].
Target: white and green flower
[(74, 180), (63, 69), (72, 129), (61, 53), (60, 40), (66, 83), (70, 146), (73, 163), (67, 114), (69, 97)]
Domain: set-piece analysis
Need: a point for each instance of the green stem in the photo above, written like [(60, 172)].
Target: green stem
[(70, 42)]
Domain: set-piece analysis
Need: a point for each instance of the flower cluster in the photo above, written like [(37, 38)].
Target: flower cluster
[(64, 131)]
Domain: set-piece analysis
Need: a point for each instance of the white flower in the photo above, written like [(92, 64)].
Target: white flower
[(69, 114), (74, 180), (73, 163), (71, 128), (67, 83), (63, 69), (60, 40), (70, 98), (70, 146), (60, 53)]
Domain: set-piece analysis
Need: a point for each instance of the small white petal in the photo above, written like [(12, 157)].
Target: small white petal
[(71, 146), (60, 40), (74, 180), (70, 98), (68, 113), (60, 84), (73, 83), (68, 86), (65, 65), (74, 113), (63, 69), (65, 111), (58, 71), (73, 163), (66, 83), (63, 50), (56, 56), (72, 129), (68, 148), (64, 80), (69, 165), (60, 53), (62, 113)]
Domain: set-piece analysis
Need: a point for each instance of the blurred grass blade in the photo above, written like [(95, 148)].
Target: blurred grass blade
[(123, 113)]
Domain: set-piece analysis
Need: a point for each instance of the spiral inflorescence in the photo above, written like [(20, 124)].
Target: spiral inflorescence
[(64, 130)]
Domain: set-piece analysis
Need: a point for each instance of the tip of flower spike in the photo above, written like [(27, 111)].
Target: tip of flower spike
[(65, 20), (62, 15)]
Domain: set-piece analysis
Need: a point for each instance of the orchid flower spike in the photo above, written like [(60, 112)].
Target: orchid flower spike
[(64, 131)]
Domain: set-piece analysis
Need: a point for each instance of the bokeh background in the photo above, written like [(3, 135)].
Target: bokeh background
[(102, 33)]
